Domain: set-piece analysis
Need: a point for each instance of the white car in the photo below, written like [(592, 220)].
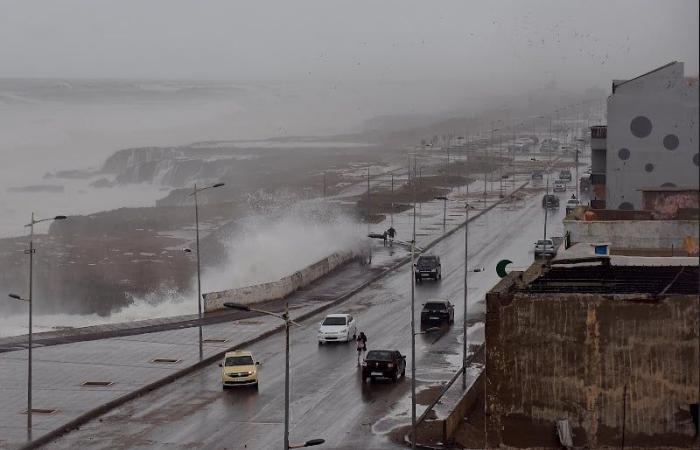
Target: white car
[(337, 328), (545, 248), (559, 186)]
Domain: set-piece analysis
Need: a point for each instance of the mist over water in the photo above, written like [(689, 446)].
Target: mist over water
[(54, 125)]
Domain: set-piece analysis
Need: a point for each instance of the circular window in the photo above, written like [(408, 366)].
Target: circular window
[(640, 126), (671, 141), (649, 167), (623, 154)]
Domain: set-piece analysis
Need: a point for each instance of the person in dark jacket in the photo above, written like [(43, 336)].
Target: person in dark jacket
[(361, 345)]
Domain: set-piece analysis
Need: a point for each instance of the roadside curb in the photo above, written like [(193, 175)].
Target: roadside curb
[(106, 407)]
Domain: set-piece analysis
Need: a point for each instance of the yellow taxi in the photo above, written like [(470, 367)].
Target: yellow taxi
[(239, 368)]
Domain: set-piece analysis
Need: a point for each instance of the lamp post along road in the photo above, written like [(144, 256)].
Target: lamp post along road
[(413, 330), (466, 271), (286, 374), (29, 300), (287, 323), (199, 272)]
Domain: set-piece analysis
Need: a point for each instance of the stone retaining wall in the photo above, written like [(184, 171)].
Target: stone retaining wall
[(274, 290)]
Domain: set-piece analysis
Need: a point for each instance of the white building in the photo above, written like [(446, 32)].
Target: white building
[(652, 135)]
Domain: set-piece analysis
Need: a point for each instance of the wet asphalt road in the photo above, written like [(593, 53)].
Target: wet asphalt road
[(329, 400)]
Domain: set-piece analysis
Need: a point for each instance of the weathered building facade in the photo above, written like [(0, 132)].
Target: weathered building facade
[(652, 135), (613, 350)]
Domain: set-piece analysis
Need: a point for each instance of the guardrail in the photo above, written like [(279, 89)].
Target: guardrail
[(430, 407)]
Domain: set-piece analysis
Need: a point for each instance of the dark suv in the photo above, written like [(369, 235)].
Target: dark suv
[(384, 364), (428, 266), (437, 312), (550, 201)]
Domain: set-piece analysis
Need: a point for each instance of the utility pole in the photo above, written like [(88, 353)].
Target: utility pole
[(546, 208), (29, 348), (466, 271), (369, 240), (392, 200), (199, 274), (413, 329)]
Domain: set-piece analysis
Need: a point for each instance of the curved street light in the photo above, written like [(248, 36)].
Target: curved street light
[(29, 299), (194, 193), (287, 323)]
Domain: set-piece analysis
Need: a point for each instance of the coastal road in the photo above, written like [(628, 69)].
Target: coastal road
[(328, 398)]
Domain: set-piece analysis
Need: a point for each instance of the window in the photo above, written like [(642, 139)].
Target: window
[(435, 306), (379, 355), (334, 321), (239, 361)]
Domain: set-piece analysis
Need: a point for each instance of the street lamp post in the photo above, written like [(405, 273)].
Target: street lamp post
[(413, 330), (194, 193), (444, 211), (287, 323), (413, 380), (466, 271), (31, 252)]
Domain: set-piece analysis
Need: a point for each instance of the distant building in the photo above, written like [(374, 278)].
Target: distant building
[(599, 149), (651, 137), (601, 353)]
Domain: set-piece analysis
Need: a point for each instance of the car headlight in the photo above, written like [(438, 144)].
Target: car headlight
[(390, 365)]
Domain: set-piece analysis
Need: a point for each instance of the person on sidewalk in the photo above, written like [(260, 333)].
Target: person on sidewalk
[(392, 233)]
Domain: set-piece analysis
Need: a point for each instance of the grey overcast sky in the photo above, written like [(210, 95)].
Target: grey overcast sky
[(487, 42)]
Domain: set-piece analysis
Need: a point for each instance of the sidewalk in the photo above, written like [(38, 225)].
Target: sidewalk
[(128, 361)]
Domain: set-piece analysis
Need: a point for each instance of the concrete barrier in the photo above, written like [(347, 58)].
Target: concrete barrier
[(456, 416), (275, 290), (644, 234)]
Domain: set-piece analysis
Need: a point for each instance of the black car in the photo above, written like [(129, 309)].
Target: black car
[(428, 266), (383, 364), (565, 175), (437, 312), (550, 201)]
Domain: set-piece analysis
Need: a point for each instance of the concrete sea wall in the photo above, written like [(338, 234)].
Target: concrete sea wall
[(274, 290)]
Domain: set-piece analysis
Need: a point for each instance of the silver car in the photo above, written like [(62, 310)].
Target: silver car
[(544, 248)]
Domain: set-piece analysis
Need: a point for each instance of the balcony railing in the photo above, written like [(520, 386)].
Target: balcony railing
[(599, 132)]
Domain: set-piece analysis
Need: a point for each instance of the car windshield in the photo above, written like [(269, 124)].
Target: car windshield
[(379, 355), (334, 321), (435, 306), (427, 261), (239, 361), (544, 242)]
